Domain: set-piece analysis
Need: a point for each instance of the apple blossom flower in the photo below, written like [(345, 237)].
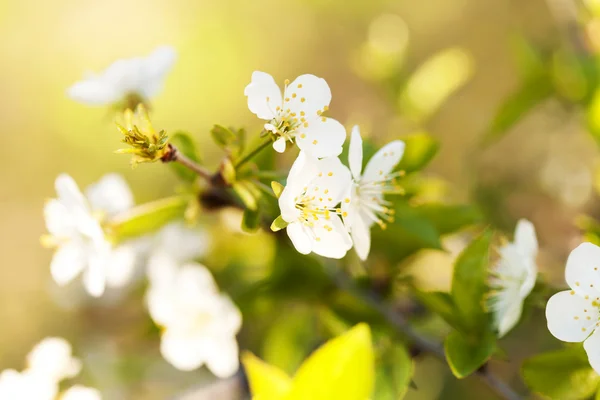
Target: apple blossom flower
[(137, 78), (513, 277), (309, 204), (199, 323), (574, 315), (49, 363), (364, 203), (76, 232), (297, 114)]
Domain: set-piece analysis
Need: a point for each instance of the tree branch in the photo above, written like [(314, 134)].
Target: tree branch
[(174, 155), (374, 300)]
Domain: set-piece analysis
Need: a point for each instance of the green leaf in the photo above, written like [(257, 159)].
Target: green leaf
[(149, 217), (277, 188), (251, 220), (442, 304), (266, 381), (222, 136), (469, 283), (246, 194), (466, 355), (420, 149), (278, 224), (448, 218), (187, 146), (412, 222), (563, 374), (536, 88), (228, 171), (343, 368), (393, 374)]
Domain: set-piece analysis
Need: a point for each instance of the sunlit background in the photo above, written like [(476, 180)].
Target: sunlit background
[(394, 67)]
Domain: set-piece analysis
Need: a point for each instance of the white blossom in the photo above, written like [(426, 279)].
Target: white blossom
[(364, 203), (297, 114), (78, 392), (513, 277), (49, 362), (140, 77), (309, 204), (199, 323), (574, 315), (75, 230)]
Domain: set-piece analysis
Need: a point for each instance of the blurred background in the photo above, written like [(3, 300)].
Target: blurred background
[(445, 67)]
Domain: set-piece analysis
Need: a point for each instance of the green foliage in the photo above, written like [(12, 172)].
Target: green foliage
[(466, 354), (148, 218), (251, 220), (469, 284), (442, 304), (247, 194), (563, 374), (230, 139), (393, 374), (186, 145), (277, 188), (420, 150), (341, 368), (278, 224)]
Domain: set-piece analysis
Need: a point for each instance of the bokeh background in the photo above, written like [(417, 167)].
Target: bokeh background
[(394, 67)]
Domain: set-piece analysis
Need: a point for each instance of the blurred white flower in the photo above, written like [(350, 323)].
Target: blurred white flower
[(181, 242), (200, 324), (52, 358), (513, 277), (48, 363), (309, 203), (297, 115), (140, 76), (79, 392), (76, 232), (364, 204), (574, 315)]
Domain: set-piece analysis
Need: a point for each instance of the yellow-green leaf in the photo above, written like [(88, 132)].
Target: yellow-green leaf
[(266, 381), (277, 188), (278, 224), (246, 194), (149, 217), (420, 149), (343, 368), (466, 354)]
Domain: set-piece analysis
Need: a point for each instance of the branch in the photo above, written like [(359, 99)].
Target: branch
[(402, 326)]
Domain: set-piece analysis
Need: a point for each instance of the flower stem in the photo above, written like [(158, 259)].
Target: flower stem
[(402, 326), (175, 155), (253, 153)]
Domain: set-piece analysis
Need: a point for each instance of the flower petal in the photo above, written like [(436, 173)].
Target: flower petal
[(583, 269), (571, 317), (303, 170), (181, 242), (592, 348), (361, 236), (300, 237), (384, 161), (121, 266), (94, 276), (94, 91), (59, 220), (155, 68), (183, 351), (279, 145), (111, 194), (330, 238), (52, 358), (69, 193), (355, 153), (525, 238), (331, 183), (264, 96), (223, 359), (308, 94), (322, 137), (68, 261), (507, 318), (79, 392)]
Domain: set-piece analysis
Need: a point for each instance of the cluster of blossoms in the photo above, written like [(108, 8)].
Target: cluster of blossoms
[(48, 364), (327, 207)]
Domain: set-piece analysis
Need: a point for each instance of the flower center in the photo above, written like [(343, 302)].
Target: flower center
[(369, 195)]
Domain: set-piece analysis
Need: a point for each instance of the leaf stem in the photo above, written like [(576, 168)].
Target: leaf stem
[(253, 153), (402, 326), (175, 155)]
